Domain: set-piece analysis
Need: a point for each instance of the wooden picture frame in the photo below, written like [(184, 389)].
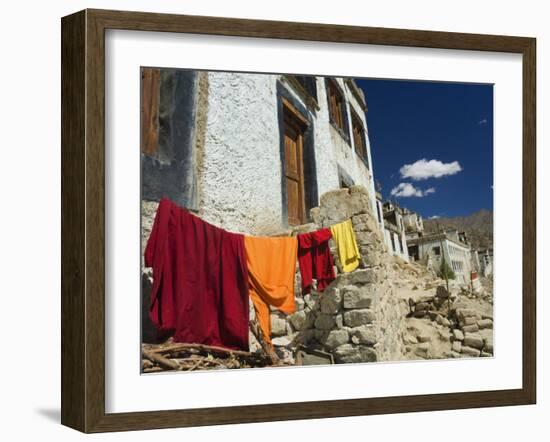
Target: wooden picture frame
[(83, 220)]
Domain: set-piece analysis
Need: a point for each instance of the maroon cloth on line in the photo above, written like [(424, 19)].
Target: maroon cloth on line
[(315, 259), (200, 280)]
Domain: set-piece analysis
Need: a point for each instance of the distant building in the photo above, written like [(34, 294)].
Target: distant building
[(414, 224), (394, 230), (485, 261), (475, 261), (379, 210), (451, 245)]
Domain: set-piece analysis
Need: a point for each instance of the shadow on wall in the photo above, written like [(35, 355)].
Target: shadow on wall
[(148, 330)]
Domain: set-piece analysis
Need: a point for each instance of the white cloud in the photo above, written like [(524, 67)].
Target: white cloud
[(434, 217), (405, 190), (424, 169), (483, 121), (430, 190)]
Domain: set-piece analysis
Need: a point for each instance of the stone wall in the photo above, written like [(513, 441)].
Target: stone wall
[(472, 332), (357, 318)]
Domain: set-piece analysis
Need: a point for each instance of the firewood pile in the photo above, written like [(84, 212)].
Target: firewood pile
[(189, 357)]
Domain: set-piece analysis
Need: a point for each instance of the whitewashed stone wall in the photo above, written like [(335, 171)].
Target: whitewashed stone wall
[(240, 167), (240, 186)]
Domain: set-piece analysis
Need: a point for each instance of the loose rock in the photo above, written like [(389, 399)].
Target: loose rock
[(355, 318)]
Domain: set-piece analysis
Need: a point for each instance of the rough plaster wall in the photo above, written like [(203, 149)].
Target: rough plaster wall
[(371, 186), (387, 240), (241, 169), (403, 240), (241, 178), (200, 132), (237, 151), (341, 152), (325, 155), (364, 172)]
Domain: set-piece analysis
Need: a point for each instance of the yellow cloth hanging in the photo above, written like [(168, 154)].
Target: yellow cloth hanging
[(348, 252)]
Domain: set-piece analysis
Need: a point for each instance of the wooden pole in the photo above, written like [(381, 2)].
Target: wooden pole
[(267, 348)]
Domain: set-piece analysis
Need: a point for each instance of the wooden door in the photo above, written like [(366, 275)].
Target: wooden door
[(294, 169), (150, 96)]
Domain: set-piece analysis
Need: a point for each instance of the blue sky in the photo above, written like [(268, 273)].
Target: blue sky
[(450, 126)]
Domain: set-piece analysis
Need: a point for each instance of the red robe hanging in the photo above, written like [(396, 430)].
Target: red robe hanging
[(200, 280), (315, 259)]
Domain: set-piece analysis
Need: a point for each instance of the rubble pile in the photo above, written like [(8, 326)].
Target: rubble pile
[(171, 356), (472, 331)]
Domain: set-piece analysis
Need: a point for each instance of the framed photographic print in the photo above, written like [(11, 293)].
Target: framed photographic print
[(266, 221)]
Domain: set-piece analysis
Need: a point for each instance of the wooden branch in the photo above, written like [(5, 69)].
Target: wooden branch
[(174, 348), (267, 348), (161, 360), (154, 369)]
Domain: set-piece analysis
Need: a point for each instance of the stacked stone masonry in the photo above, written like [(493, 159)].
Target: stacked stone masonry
[(356, 318)]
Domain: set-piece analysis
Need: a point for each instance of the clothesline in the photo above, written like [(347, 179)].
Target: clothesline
[(203, 275), (295, 234)]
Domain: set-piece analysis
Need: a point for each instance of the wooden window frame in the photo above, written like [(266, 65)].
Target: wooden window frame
[(337, 108), (310, 100), (149, 112), (362, 151)]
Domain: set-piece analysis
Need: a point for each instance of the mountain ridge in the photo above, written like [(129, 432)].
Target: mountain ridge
[(478, 227)]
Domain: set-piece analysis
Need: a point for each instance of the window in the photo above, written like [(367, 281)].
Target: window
[(336, 105), (306, 87), (378, 212), (309, 84), (401, 246), (437, 251), (392, 242), (359, 140)]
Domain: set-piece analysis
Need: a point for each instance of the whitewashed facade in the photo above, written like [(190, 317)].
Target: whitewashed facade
[(414, 224), (235, 162), (485, 258), (394, 231), (432, 248)]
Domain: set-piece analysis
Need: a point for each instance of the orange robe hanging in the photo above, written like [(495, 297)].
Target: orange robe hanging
[(271, 269)]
